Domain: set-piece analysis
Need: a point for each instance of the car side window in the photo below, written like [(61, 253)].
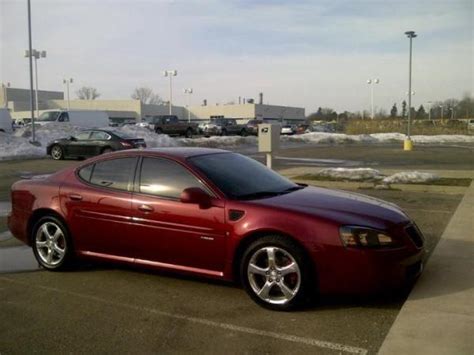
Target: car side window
[(83, 136), (166, 178), (100, 136), (114, 173), (85, 172), (64, 117)]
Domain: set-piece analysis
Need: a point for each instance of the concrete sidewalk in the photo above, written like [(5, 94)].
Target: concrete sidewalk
[(438, 316)]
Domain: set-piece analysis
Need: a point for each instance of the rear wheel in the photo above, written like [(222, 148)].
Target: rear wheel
[(51, 244), (57, 152), (189, 133), (243, 133), (224, 132), (158, 131), (276, 273), (107, 150)]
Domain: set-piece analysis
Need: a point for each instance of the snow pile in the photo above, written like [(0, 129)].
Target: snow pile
[(373, 175), (15, 147), (409, 177), (356, 174), (218, 141), (152, 139), (340, 138)]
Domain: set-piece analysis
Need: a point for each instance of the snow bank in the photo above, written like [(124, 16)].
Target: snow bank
[(373, 175), (340, 138), (16, 147), (409, 177), (356, 174)]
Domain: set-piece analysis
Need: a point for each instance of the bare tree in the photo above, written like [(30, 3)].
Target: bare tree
[(87, 93), (146, 96)]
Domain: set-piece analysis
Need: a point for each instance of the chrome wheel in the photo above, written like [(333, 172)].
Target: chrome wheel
[(50, 243), (57, 152), (274, 275)]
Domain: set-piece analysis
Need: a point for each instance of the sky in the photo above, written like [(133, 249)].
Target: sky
[(297, 52)]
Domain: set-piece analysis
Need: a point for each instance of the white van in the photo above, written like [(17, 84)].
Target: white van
[(6, 123), (80, 118)]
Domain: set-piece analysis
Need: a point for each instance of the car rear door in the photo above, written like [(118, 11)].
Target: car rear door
[(97, 141), (172, 233), (98, 206)]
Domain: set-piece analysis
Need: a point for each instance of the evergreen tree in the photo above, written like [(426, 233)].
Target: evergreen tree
[(394, 111), (421, 113), (404, 109)]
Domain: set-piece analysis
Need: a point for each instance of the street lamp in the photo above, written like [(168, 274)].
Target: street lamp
[(441, 107), (407, 144), (170, 73), (37, 55), (67, 82), (30, 50), (188, 91), (372, 82), (429, 112)]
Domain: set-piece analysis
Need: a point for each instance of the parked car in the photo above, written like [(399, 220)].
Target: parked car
[(6, 122), (252, 126), (169, 124), (288, 129), (224, 127), (80, 118), (148, 122), (217, 214), (92, 142)]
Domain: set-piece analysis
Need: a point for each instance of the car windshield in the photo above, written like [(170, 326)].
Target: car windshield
[(240, 177), (48, 116)]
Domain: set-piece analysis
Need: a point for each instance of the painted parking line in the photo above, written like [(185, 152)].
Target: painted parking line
[(202, 321)]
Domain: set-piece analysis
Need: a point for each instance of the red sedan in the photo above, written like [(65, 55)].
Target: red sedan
[(217, 214)]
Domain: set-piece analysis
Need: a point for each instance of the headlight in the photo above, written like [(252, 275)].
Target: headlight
[(353, 236)]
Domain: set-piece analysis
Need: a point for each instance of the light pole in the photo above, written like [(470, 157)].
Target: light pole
[(441, 107), (170, 73), (5, 93), (67, 82), (37, 55), (429, 112), (30, 49), (188, 91), (372, 82), (407, 144)]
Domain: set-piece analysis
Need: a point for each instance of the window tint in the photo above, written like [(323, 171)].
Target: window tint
[(114, 173), (83, 136), (98, 135), (85, 172), (64, 117), (165, 178)]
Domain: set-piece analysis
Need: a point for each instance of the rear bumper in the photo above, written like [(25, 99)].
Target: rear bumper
[(18, 225)]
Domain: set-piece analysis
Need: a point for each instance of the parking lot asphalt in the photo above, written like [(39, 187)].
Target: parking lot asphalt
[(107, 308)]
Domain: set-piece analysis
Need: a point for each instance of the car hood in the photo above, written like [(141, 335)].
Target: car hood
[(340, 207)]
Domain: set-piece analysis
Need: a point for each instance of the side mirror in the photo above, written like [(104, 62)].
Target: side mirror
[(196, 196)]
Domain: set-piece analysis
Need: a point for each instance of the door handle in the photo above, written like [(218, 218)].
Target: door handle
[(75, 197), (146, 208)]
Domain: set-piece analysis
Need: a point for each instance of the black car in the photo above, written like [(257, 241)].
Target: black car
[(92, 142)]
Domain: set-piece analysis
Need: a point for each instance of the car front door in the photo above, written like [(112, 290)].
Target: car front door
[(98, 205), (171, 233), (78, 144)]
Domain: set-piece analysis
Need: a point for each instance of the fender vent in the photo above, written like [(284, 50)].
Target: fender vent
[(235, 215)]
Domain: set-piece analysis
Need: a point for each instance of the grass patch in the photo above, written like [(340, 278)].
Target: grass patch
[(438, 182)]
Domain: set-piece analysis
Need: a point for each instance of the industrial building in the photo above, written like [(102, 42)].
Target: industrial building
[(18, 101)]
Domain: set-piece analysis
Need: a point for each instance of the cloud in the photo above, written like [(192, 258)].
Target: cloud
[(300, 53)]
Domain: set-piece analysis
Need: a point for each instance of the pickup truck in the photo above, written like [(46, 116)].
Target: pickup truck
[(169, 124), (224, 127)]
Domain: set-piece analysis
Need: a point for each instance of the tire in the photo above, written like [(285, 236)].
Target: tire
[(106, 150), (158, 131), (224, 132), (243, 133), (282, 287), (189, 133), (57, 153), (51, 243)]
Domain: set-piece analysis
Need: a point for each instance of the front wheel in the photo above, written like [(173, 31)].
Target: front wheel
[(276, 273), (57, 152), (189, 133), (51, 244), (243, 133)]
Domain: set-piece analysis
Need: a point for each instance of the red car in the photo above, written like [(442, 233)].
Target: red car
[(217, 214)]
